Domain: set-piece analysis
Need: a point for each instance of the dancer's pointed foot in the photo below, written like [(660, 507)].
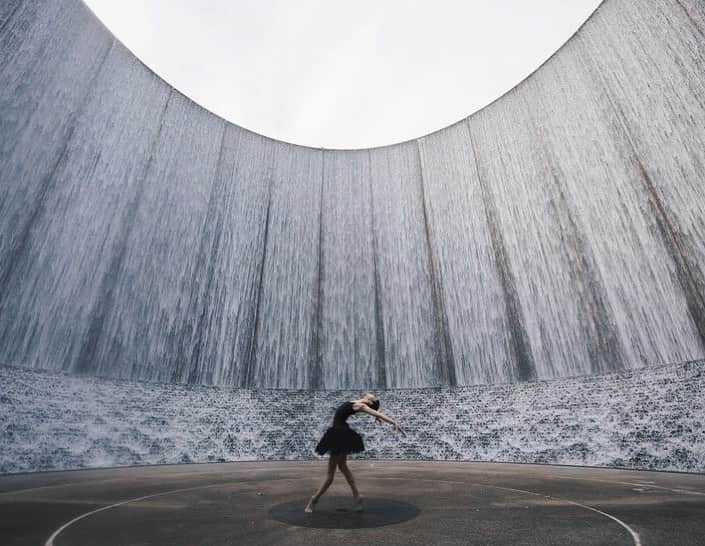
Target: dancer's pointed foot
[(358, 504), (310, 506)]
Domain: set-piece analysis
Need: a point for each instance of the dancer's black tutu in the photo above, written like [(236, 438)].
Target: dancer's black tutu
[(340, 438)]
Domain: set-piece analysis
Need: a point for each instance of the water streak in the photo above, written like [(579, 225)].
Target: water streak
[(558, 232)]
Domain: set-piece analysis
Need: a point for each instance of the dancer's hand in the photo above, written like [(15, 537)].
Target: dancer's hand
[(398, 428)]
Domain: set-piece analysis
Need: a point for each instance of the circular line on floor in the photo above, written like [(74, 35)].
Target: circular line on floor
[(50, 541), (632, 532)]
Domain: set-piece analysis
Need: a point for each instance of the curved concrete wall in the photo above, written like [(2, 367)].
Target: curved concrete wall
[(559, 231)]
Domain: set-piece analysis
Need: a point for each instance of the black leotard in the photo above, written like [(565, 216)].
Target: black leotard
[(344, 411)]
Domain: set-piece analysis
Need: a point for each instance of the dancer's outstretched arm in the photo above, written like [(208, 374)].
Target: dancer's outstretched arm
[(379, 415)]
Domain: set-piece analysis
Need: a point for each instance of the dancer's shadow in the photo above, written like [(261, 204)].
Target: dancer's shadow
[(337, 512)]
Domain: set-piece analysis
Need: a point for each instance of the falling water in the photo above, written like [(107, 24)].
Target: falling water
[(559, 231)]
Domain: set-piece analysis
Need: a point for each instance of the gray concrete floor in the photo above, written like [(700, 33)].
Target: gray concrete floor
[(408, 503)]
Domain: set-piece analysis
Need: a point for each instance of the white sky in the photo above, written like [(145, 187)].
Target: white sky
[(335, 74)]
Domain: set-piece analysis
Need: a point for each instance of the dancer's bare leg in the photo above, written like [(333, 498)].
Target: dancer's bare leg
[(332, 465), (343, 465)]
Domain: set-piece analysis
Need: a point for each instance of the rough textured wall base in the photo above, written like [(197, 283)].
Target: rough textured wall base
[(649, 419)]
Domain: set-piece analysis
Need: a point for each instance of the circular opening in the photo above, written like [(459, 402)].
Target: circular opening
[(343, 74)]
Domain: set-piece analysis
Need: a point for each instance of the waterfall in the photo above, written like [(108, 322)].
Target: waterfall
[(559, 231)]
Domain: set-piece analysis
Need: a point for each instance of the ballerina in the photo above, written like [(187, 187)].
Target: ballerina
[(340, 440)]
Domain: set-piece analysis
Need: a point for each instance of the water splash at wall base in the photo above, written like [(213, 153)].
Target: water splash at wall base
[(646, 419)]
